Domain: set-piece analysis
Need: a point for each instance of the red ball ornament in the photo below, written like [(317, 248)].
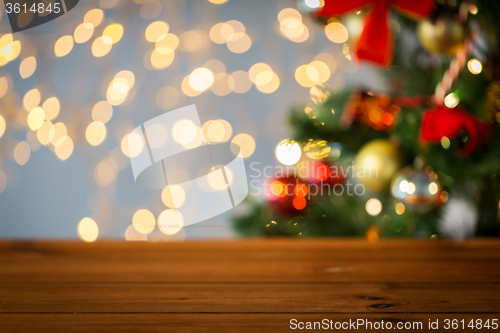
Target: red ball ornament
[(325, 173), (288, 195)]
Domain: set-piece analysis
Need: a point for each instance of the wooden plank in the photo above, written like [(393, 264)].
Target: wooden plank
[(189, 322), (248, 298), (318, 260)]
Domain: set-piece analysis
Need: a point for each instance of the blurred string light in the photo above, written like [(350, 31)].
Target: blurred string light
[(9, 49), (336, 32), (105, 172), (3, 125), (102, 111), (63, 46), (131, 234), (312, 73), (216, 131), (246, 143), (475, 66), (218, 2), (36, 118), (373, 207), (173, 196), (94, 16), (193, 40), (291, 25), (451, 100), (400, 208), (95, 133), (233, 34), (27, 67), (288, 152), (51, 107), (264, 78), (88, 230), (170, 222), (31, 99), (144, 221), (22, 153)]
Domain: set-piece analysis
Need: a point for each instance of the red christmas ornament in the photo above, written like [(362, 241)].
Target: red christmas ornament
[(375, 43), (445, 122), (325, 173), (288, 195)]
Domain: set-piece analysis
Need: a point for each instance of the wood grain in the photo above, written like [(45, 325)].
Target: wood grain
[(245, 285)]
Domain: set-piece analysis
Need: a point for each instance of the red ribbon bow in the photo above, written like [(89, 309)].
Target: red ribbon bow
[(443, 121), (375, 43)]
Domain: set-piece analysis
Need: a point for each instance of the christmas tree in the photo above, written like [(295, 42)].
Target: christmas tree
[(419, 157)]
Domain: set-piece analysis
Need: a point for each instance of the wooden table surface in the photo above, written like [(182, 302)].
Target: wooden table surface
[(245, 285)]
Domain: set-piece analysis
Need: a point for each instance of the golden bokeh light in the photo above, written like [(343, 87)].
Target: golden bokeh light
[(51, 107), (22, 153), (144, 221), (400, 208), (36, 118), (88, 230), (190, 41), (246, 144), (95, 133), (3, 125), (322, 69), (336, 32), (257, 69), (101, 46), (63, 46), (451, 100), (173, 196), (156, 31), (240, 82), (214, 131), (167, 98), (102, 111), (219, 183), (475, 66), (373, 207), (186, 88), (161, 60), (4, 86), (170, 222), (218, 2), (289, 13), (9, 49), (271, 86), (132, 145), (201, 79), (27, 67), (133, 235), (42, 133), (222, 85), (184, 131), (215, 33), (57, 132), (105, 173), (216, 66), (288, 152), (94, 17), (31, 99), (64, 148), (239, 42), (83, 32), (113, 31), (156, 135), (167, 44)]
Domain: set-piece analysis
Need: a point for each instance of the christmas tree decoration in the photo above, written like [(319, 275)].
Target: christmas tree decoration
[(443, 122), (288, 195), (376, 163), (417, 188), (459, 219), (354, 24), (377, 111), (317, 149), (442, 33), (376, 42), (325, 173)]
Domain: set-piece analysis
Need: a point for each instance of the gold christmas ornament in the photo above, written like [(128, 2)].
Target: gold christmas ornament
[(442, 34), (376, 163), (317, 149)]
